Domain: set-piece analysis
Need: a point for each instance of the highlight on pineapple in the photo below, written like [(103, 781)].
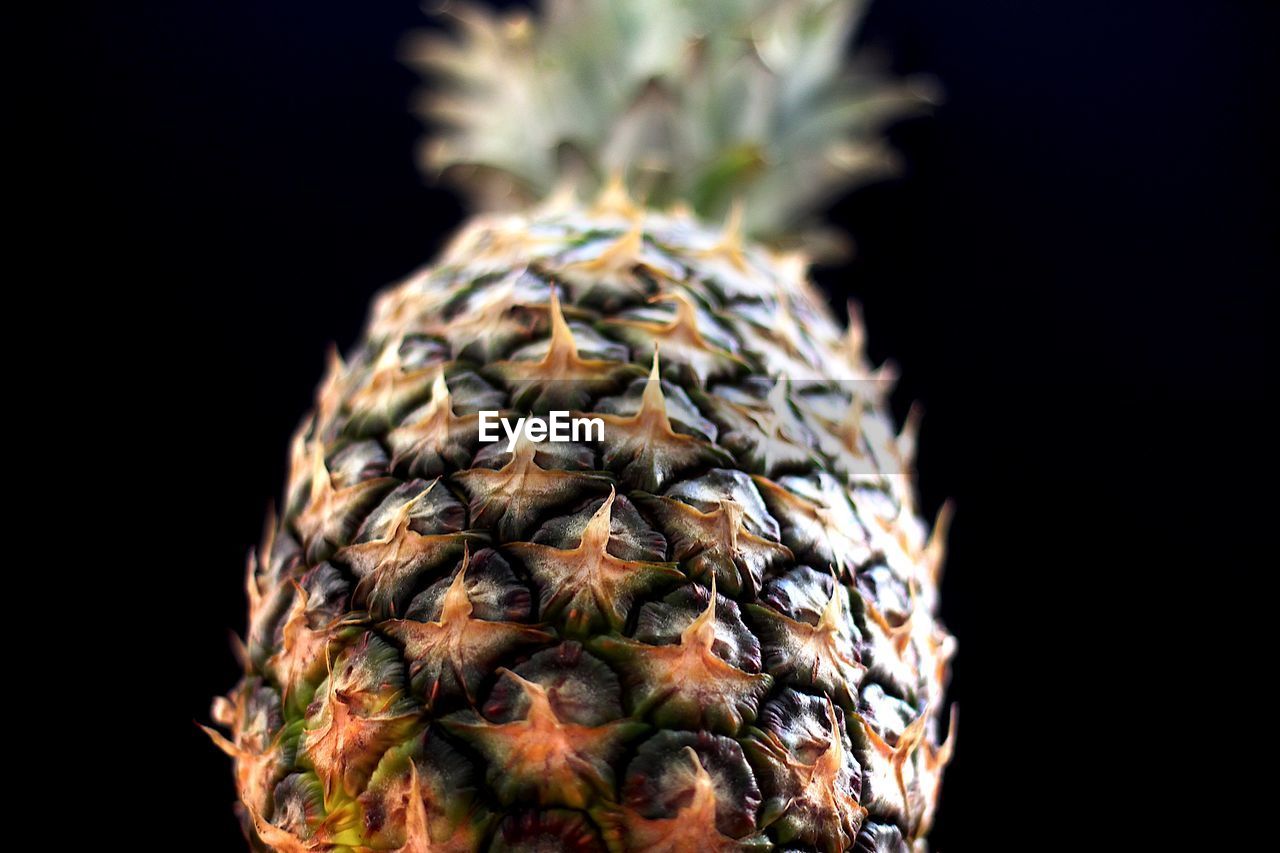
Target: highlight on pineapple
[(707, 626)]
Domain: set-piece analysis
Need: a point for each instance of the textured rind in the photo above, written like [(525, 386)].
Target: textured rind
[(408, 635)]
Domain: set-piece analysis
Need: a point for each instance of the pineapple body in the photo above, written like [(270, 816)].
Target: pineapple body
[(712, 629)]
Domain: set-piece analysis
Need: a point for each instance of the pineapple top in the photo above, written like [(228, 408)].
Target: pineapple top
[(703, 103)]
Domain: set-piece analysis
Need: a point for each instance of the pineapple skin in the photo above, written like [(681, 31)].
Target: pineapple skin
[(713, 630)]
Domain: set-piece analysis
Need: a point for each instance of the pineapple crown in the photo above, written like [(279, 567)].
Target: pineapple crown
[(702, 103)]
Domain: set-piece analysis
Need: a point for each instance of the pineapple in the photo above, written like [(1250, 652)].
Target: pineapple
[(708, 627)]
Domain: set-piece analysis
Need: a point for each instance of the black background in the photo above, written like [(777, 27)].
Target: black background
[(1073, 274)]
